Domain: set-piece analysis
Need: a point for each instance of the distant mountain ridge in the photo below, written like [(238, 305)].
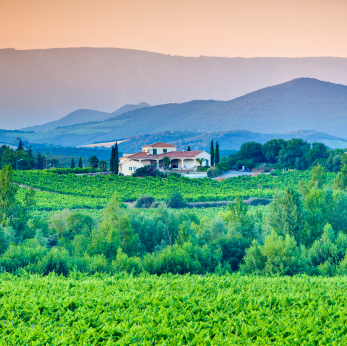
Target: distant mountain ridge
[(228, 140), (81, 116), (42, 85), (302, 103)]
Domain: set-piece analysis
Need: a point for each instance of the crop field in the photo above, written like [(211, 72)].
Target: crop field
[(172, 310), (72, 191)]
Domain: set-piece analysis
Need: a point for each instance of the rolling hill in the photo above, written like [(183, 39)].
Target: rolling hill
[(302, 103), (228, 140), (83, 116), (42, 85)]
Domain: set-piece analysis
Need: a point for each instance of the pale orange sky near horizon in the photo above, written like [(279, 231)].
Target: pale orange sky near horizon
[(229, 28)]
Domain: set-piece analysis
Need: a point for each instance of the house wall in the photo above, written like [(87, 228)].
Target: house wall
[(129, 167), (189, 163), (205, 156), (160, 150)]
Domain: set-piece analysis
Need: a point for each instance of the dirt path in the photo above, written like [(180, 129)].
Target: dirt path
[(34, 188)]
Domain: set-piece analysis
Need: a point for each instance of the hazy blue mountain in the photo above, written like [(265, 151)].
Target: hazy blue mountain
[(128, 108), (228, 140), (302, 103), (81, 116), (42, 85)]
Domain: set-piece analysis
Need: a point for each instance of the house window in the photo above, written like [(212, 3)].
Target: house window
[(154, 151), (164, 150), (130, 168), (134, 168), (206, 162)]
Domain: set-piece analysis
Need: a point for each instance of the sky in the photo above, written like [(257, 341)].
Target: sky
[(228, 28)]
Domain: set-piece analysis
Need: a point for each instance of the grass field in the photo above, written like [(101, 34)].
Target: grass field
[(172, 310)]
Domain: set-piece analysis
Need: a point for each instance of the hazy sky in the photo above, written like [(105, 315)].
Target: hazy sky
[(291, 28)]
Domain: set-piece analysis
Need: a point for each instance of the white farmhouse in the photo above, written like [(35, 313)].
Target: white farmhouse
[(154, 154)]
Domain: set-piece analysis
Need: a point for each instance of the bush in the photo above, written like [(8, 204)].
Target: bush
[(260, 201), (144, 202), (203, 169), (213, 172), (176, 201), (187, 258), (174, 174), (148, 171), (123, 263)]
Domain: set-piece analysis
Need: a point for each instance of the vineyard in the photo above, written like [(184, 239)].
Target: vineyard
[(172, 310), (72, 191)]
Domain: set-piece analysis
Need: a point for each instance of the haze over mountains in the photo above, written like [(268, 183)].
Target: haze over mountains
[(83, 116), (228, 140), (301, 104), (40, 86)]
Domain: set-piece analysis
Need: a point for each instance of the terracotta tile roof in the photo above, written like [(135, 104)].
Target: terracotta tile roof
[(159, 145), (140, 155), (180, 154), (171, 154)]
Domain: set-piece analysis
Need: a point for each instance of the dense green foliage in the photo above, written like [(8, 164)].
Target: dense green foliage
[(84, 191), (172, 310), (293, 154)]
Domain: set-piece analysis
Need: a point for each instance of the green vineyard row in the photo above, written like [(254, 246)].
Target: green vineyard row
[(172, 310), (72, 191)]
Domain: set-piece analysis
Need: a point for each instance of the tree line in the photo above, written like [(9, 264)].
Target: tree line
[(291, 154), (303, 230)]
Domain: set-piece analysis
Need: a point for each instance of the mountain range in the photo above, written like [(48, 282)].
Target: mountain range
[(42, 85), (84, 116), (301, 104), (228, 140)]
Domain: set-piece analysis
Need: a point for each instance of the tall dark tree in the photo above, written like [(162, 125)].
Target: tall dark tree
[(93, 162), (20, 146), (216, 159), (72, 163), (80, 163), (29, 151), (112, 159), (116, 160), (188, 148), (40, 161), (212, 153)]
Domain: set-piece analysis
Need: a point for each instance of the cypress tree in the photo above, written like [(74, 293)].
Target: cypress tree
[(112, 159), (188, 148), (217, 154), (116, 159), (212, 153), (20, 146), (80, 163), (72, 163)]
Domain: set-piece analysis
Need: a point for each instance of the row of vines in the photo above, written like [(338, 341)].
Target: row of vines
[(172, 310), (72, 191)]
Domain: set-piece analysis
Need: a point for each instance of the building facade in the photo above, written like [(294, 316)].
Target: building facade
[(154, 154)]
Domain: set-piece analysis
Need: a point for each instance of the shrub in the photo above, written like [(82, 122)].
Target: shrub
[(176, 201), (213, 172), (260, 201), (174, 174), (148, 171), (144, 202), (123, 263)]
